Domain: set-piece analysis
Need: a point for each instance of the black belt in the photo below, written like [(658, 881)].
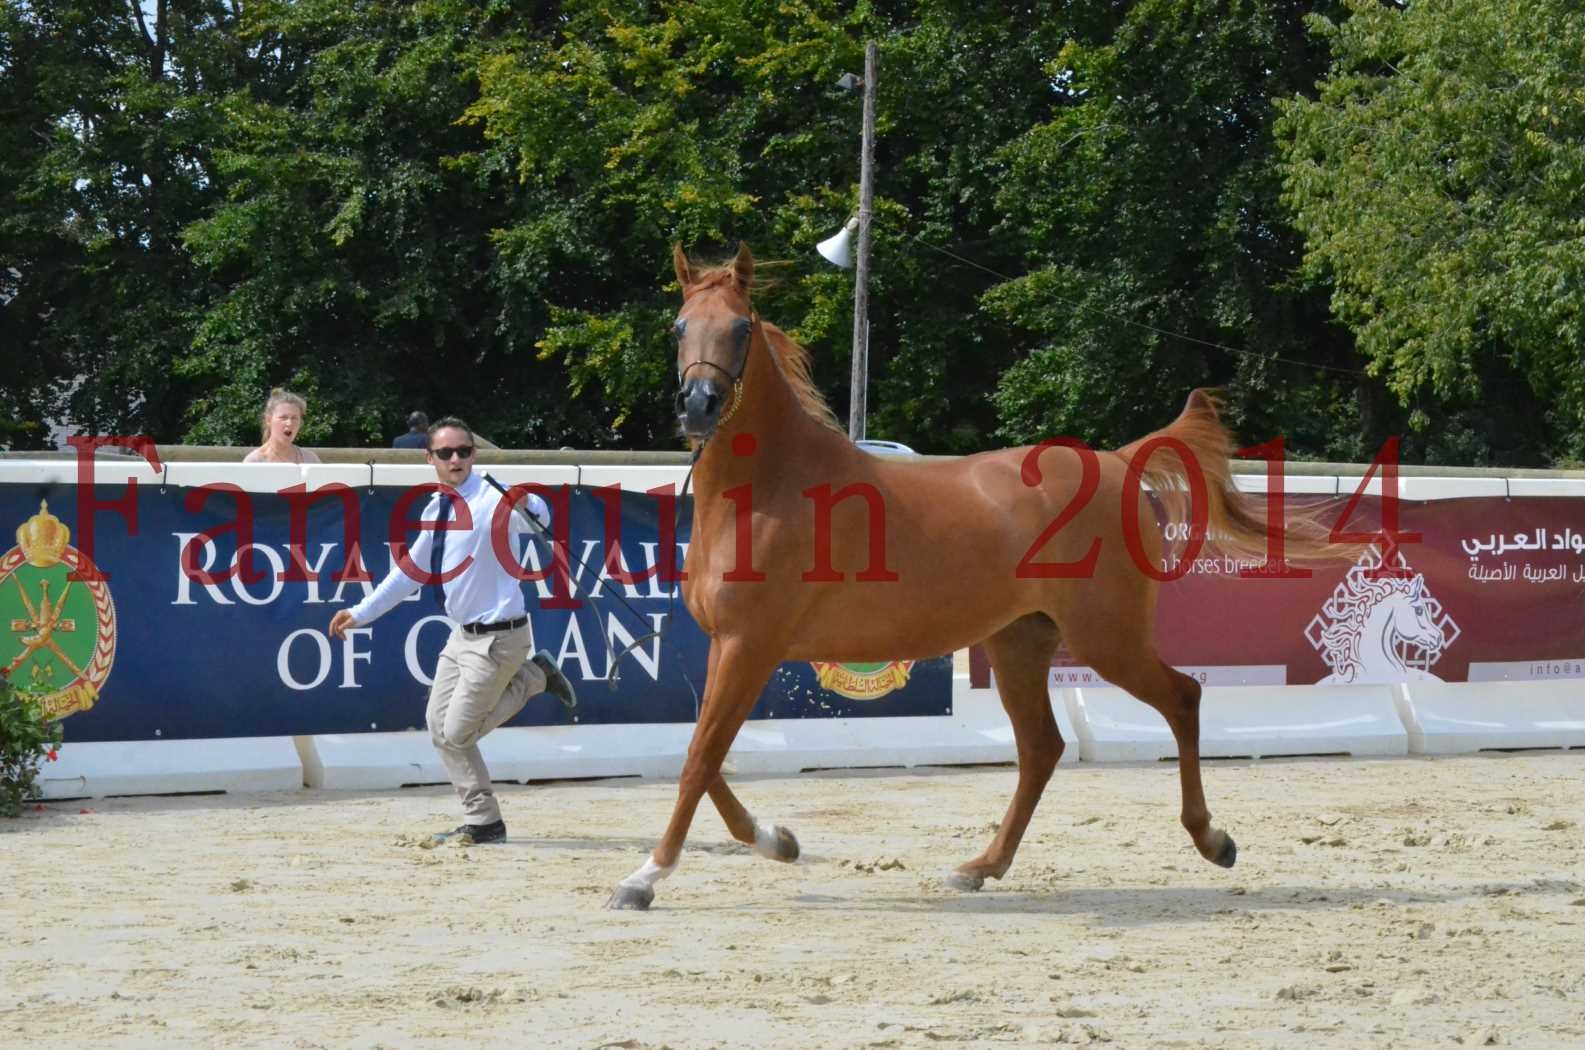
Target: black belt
[(491, 628)]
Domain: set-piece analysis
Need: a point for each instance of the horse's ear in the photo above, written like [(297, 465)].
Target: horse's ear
[(743, 268), (1202, 400), (679, 262)]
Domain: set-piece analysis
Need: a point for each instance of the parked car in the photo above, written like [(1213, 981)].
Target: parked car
[(886, 448)]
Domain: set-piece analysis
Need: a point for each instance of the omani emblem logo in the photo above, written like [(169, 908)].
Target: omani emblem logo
[(863, 681), (62, 632), (1382, 630)]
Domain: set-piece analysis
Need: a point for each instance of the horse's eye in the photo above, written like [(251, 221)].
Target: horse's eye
[(741, 329), (679, 328)]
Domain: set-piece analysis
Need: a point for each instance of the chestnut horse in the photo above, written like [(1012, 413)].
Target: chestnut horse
[(805, 547)]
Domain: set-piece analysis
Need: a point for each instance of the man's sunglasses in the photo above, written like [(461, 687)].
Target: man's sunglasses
[(465, 451)]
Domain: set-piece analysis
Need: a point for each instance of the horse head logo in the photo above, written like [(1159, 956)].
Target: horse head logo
[(1410, 619), (1386, 629)]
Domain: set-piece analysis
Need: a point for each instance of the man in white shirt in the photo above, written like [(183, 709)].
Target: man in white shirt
[(485, 674)]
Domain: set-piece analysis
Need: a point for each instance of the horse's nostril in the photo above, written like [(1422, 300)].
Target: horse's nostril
[(699, 403)]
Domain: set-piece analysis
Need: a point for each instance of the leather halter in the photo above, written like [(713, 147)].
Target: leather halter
[(736, 378)]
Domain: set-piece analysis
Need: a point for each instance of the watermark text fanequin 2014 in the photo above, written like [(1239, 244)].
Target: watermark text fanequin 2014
[(196, 552)]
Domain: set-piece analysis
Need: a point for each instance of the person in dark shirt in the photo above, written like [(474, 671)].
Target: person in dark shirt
[(417, 435)]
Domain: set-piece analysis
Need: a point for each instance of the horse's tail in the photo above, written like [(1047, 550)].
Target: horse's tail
[(1236, 522)]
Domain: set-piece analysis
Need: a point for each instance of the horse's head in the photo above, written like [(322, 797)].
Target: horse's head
[(1411, 618), (714, 330)]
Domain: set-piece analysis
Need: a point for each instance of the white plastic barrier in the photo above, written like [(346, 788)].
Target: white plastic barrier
[(1445, 718), (1106, 724), (375, 761), (161, 767), (1244, 722), (975, 732)]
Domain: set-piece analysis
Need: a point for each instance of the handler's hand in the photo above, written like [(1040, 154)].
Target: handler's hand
[(341, 623)]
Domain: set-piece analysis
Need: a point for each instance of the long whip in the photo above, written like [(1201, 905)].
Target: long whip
[(613, 667)]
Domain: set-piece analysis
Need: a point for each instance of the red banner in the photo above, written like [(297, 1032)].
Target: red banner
[(1494, 590)]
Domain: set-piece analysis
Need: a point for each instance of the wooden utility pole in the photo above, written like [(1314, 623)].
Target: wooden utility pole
[(861, 291)]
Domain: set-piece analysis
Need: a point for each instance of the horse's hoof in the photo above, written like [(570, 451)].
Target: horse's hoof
[(1227, 856), (631, 898), (781, 844), (786, 845), (965, 881)]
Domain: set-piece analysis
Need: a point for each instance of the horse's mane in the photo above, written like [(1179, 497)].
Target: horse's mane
[(795, 363), (792, 360), (710, 276)]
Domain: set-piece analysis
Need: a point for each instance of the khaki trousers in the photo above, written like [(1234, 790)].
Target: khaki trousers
[(480, 682)]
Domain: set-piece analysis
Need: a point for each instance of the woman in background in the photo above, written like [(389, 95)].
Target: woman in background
[(283, 420)]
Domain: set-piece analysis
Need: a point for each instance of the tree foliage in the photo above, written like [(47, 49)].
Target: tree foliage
[(108, 133), (1437, 180), (713, 123), (1158, 254), (352, 252), (1352, 217)]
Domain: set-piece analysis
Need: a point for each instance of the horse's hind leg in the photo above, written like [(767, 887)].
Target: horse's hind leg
[(1177, 697), (1020, 654), (769, 840)]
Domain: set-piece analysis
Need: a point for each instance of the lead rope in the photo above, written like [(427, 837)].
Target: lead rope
[(538, 532), (671, 604), (659, 635)]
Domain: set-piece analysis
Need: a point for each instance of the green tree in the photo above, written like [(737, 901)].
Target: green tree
[(352, 248), (1436, 179), (106, 157), (960, 81), (1081, 212), (622, 128), (1159, 255), (633, 127)]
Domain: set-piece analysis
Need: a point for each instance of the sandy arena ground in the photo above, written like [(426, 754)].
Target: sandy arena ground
[(1386, 903)]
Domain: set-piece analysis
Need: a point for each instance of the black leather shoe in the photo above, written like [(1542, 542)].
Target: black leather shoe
[(472, 834), (555, 682)]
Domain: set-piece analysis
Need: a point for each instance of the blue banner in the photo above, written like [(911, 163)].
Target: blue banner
[(151, 652)]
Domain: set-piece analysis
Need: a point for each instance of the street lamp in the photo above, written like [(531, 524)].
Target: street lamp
[(836, 247)]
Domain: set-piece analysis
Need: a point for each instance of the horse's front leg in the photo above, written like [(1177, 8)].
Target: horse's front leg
[(729, 695), (769, 840)]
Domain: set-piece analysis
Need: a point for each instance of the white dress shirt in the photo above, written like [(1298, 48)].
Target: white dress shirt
[(483, 593)]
